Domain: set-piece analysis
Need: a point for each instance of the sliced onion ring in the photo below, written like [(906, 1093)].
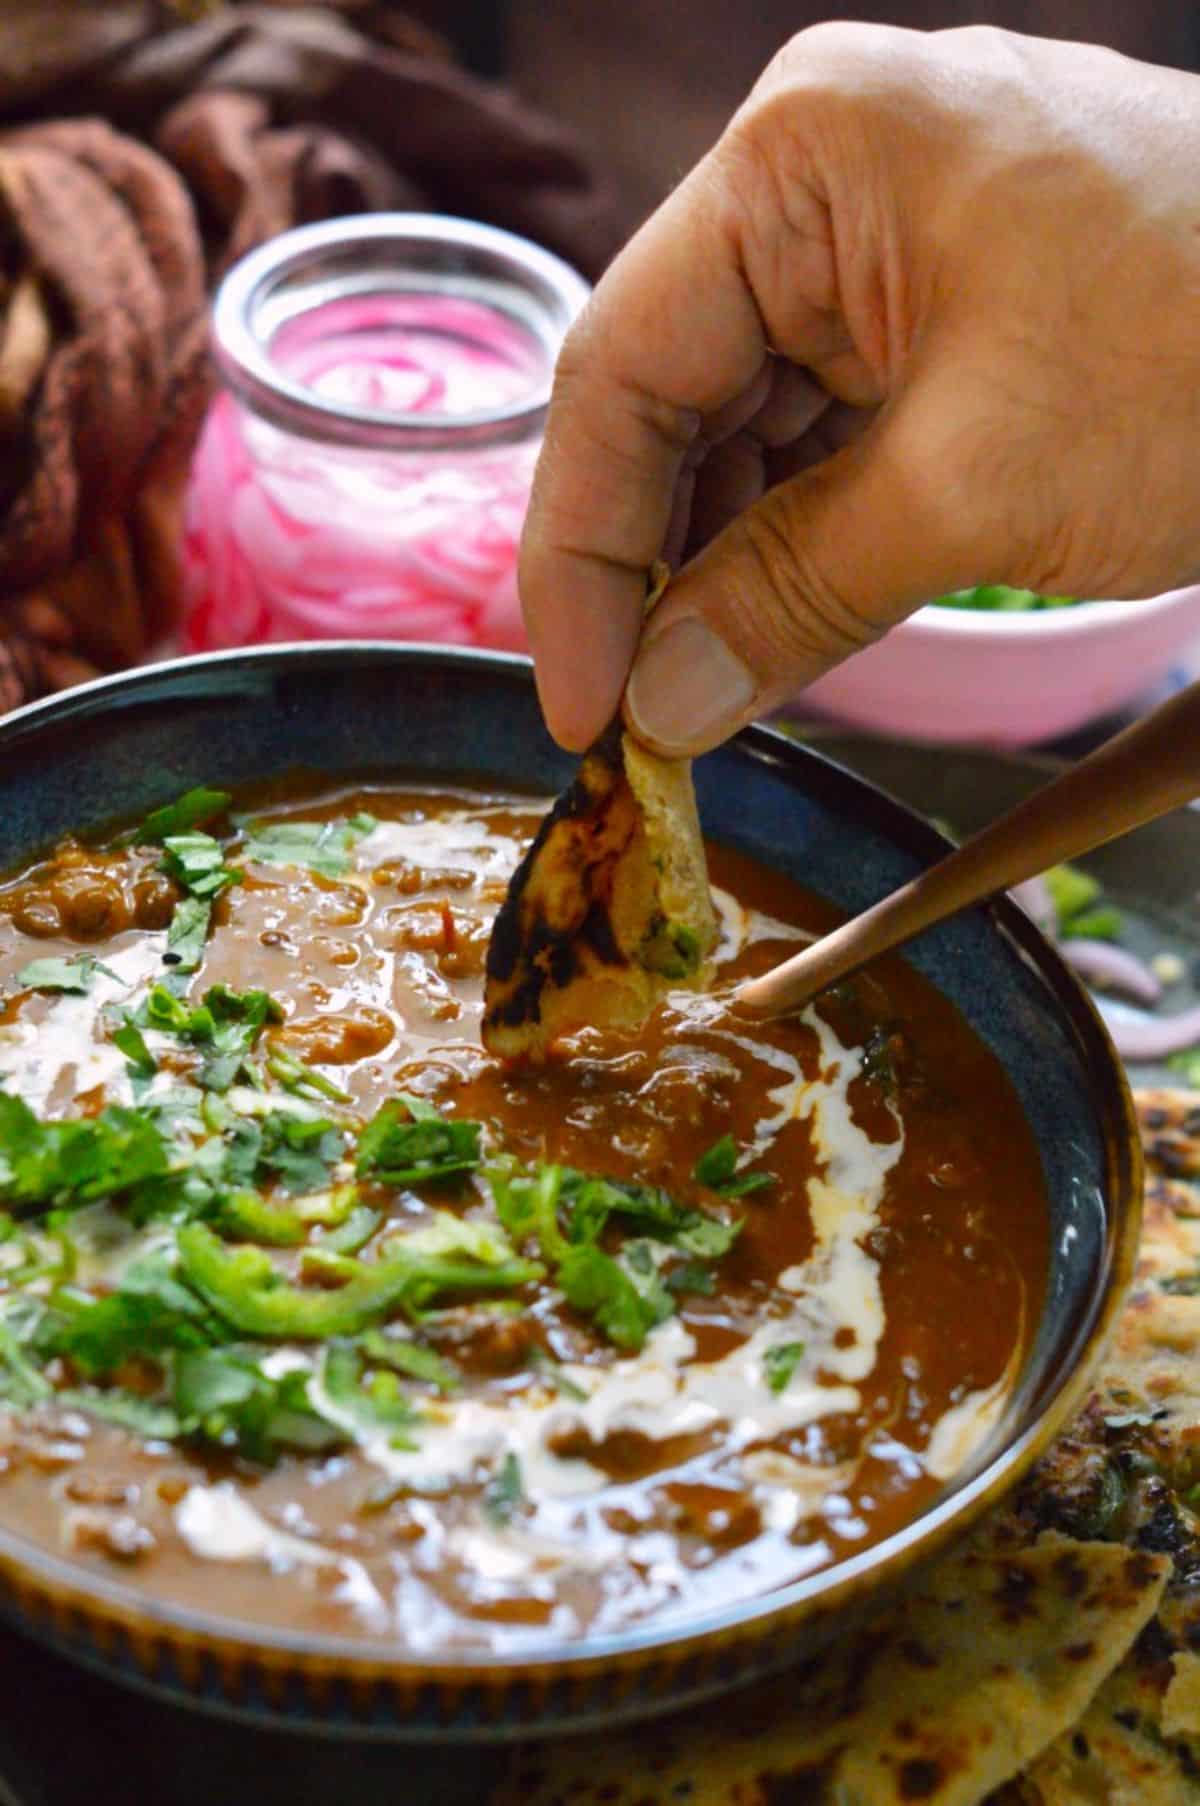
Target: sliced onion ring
[(1154, 1037), (1112, 969)]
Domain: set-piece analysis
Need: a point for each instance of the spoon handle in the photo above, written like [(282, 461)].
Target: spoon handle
[(1144, 772)]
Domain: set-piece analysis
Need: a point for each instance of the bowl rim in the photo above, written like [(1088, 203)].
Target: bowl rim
[(72, 1589), (1110, 617)]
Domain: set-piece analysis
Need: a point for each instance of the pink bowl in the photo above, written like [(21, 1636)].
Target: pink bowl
[(951, 674)]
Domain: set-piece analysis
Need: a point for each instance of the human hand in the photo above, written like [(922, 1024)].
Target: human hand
[(927, 316)]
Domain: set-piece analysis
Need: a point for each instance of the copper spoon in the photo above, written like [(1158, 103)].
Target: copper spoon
[(1140, 774)]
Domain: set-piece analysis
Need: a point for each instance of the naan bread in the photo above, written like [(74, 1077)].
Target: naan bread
[(610, 908), (1170, 1123), (1112, 1757), (1130, 1467), (1102, 1763), (942, 1699)]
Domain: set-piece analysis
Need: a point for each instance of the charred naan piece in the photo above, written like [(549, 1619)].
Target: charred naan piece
[(610, 908), (1128, 1469), (940, 1699)]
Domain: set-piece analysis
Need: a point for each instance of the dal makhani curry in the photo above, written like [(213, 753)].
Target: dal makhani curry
[(314, 1312)]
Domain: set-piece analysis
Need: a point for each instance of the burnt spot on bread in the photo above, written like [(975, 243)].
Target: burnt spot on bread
[(1015, 1595), (511, 936), (808, 1785), (1072, 1576), (1165, 1532), (919, 1779), (576, 838), (586, 933)]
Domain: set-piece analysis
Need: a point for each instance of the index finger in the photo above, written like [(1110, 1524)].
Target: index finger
[(670, 336)]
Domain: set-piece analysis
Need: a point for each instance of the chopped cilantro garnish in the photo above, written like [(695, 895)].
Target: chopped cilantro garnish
[(21, 1383), (718, 1164), (151, 1311), (879, 1058), (407, 1143), (187, 933), (374, 1403), (598, 1286), (780, 1363), (527, 1204), (179, 1111), (655, 1213), (232, 1183), (708, 1238), (197, 862), (627, 1296), (62, 974), (214, 1393), (225, 1025), (190, 811), (503, 1493), (162, 1008), (691, 1276), (561, 1381), (322, 846), (717, 1168), (238, 1018), (419, 1108), (48, 1254), (75, 1161), (299, 1150), (638, 1260), (223, 1395), (209, 1380), (144, 1416), (130, 1041)]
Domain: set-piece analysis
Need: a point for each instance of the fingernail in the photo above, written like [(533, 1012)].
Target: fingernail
[(687, 687)]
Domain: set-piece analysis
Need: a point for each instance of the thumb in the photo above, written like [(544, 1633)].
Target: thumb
[(817, 569)]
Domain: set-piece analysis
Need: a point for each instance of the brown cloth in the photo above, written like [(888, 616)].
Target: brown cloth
[(260, 117)]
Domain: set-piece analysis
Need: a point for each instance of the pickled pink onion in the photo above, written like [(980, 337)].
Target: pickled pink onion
[(288, 538), (1112, 968), (1154, 1037)]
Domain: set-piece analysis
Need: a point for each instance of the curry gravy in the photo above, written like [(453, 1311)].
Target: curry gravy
[(900, 1249)]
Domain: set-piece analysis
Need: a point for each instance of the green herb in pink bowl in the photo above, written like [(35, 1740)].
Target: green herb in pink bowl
[(1001, 600), (1006, 675)]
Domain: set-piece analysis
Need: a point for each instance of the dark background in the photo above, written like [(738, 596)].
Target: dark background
[(648, 84)]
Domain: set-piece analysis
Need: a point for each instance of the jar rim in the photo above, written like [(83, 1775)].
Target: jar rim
[(393, 253)]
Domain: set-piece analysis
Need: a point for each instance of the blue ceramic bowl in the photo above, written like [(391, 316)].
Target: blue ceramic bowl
[(119, 747)]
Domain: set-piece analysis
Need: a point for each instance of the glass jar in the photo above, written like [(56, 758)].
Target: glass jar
[(365, 470)]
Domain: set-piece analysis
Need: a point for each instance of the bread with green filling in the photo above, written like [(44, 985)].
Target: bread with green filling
[(610, 908)]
